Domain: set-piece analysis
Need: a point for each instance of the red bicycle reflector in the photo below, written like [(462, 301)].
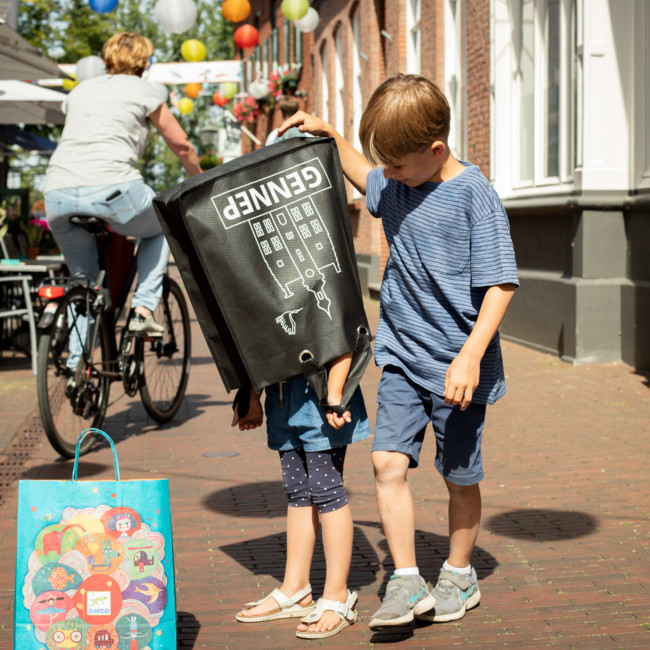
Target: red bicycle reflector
[(51, 292)]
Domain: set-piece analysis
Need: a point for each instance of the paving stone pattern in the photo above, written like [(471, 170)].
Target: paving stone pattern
[(562, 556)]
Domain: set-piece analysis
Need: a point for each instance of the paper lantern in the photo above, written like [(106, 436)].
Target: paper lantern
[(308, 22), (193, 50), (69, 84), (246, 36), (193, 89), (102, 6), (175, 16), (185, 105), (259, 89), (294, 9), (219, 99), (89, 66), (229, 89), (235, 10)]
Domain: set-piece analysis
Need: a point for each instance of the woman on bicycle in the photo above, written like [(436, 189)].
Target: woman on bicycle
[(94, 170)]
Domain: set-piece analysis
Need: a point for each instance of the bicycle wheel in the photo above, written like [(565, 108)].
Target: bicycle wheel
[(67, 410), (166, 360)]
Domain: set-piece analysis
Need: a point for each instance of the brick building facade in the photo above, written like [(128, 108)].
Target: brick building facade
[(533, 87)]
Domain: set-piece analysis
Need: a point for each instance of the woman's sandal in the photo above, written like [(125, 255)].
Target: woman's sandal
[(346, 612), (288, 607)]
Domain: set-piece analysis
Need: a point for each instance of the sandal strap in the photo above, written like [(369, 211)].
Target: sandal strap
[(282, 600), (344, 610)]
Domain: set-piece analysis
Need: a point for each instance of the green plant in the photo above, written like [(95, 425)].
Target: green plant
[(34, 231), (283, 83), (210, 160)]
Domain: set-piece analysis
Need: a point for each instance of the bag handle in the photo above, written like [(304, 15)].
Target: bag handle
[(80, 439)]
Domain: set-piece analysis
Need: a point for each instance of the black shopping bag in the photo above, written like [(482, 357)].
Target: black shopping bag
[(264, 247)]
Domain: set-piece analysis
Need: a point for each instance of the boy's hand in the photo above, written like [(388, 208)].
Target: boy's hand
[(306, 123), (461, 380)]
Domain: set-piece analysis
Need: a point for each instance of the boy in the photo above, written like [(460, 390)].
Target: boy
[(447, 285)]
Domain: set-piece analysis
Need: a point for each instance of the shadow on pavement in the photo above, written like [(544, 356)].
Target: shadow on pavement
[(263, 499), (266, 556), (62, 470), (187, 629), (538, 525)]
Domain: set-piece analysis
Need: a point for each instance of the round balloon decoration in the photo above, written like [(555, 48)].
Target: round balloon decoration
[(235, 10), (219, 100), (246, 36), (193, 50), (229, 89), (102, 6), (175, 16), (185, 105), (294, 9), (89, 66), (193, 89), (308, 22)]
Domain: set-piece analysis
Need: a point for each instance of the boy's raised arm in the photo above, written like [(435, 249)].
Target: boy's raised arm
[(355, 166)]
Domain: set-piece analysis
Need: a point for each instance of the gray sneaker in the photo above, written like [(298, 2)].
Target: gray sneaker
[(406, 596), (455, 593), (145, 326)]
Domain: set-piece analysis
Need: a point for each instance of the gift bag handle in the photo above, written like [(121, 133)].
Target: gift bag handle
[(80, 439)]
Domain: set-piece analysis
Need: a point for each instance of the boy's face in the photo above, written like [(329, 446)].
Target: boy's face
[(413, 169)]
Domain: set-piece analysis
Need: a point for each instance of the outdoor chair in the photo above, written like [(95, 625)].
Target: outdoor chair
[(16, 303)]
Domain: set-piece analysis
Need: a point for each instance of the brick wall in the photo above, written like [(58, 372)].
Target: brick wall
[(477, 47), (383, 55)]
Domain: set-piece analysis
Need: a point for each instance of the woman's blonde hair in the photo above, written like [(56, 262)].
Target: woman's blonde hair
[(405, 114), (127, 53)]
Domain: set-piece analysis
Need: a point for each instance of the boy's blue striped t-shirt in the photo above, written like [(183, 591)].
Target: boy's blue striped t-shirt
[(449, 242)]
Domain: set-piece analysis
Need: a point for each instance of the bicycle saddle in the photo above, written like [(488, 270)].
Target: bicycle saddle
[(88, 222)]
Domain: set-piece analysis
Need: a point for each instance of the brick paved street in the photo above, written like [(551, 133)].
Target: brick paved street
[(563, 555)]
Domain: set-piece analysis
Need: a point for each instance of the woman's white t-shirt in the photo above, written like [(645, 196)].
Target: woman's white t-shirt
[(105, 133)]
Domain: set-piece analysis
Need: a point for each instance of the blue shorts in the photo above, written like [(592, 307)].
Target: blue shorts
[(403, 412), (295, 420)]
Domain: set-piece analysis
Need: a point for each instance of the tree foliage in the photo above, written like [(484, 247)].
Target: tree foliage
[(69, 30)]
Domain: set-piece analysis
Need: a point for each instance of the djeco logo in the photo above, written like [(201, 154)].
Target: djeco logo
[(99, 603)]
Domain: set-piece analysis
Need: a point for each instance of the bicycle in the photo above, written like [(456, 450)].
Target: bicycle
[(73, 399)]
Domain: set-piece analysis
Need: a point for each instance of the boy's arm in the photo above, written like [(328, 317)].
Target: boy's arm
[(463, 373), (355, 166), (339, 369)]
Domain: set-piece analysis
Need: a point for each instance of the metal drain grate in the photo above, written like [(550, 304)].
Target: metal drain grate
[(29, 436)]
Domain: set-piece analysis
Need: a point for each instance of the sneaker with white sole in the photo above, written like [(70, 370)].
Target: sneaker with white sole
[(455, 593), (406, 597), (145, 326)]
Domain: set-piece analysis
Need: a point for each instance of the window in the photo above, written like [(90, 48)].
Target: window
[(324, 86), (533, 62), (339, 82), (413, 36), (357, 97), (454, 76)]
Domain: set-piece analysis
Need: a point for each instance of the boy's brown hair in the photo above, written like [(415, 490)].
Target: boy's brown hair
[(127, 53), (405, 114)]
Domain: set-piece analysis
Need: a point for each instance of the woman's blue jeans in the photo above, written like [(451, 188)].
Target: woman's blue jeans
[(128, 209)]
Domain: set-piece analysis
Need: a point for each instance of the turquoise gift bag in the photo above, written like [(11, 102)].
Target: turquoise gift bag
[(94, 564)]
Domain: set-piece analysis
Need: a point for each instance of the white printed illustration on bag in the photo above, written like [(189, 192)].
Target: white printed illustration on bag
[(291, 236), (96, 579)]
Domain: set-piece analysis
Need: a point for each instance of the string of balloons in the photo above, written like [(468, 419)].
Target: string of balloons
[(178, 16)]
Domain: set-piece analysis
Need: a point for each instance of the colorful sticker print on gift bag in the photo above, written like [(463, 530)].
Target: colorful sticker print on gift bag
[(94, 564)]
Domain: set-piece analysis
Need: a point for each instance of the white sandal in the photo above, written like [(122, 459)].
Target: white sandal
[(288, 607), (346, 612)]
